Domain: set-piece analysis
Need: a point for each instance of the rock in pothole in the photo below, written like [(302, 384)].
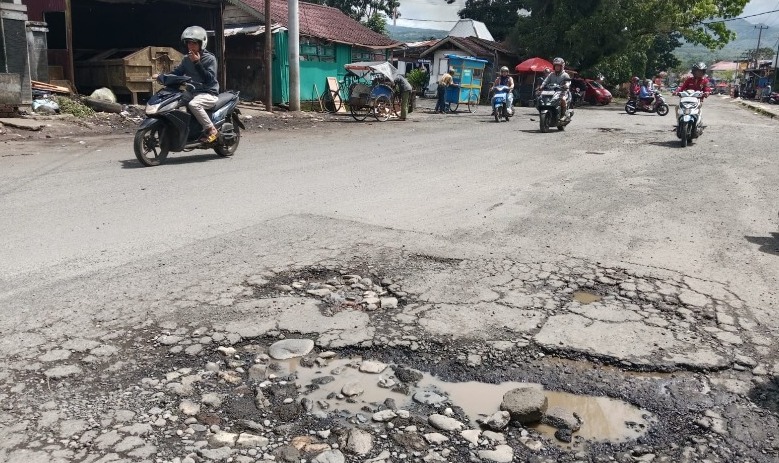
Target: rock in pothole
[(525, 404), (290, 348)]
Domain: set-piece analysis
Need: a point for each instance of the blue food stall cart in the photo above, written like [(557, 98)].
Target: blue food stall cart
[(468, 76)]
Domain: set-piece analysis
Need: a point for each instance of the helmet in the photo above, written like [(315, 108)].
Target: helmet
[(196, 34), (504, 68), (699, 67), (559, 61), (635, 79), (648, 82)]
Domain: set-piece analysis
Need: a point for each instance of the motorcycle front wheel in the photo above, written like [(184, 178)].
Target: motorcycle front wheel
[(630, 109), (544, 122), (662, 110), (683, 131), (150, 146)]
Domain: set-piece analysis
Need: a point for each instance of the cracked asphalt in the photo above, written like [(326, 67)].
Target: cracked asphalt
[(487, 234)]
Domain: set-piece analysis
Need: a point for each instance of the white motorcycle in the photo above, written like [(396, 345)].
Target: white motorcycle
[(688, 116)]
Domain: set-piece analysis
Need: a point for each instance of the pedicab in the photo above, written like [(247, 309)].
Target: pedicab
[(467, 77), (378, 98)]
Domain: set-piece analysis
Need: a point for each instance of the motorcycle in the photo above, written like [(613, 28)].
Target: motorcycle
[(169, 127), (500, 106), (773, 98), (658, 106), (548, 105), (688, 115)]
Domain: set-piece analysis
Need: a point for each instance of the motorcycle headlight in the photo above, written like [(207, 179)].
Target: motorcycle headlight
[(152, 109)]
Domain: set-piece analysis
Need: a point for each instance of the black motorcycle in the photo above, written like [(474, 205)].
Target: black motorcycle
[(169, 127), (549, 107)]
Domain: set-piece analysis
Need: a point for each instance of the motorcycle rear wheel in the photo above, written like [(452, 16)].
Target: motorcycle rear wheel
[(497, 115), (227, 151), (150, 146), (662, 110)]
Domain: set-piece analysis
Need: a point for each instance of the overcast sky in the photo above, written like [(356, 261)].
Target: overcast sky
[(437, 14)]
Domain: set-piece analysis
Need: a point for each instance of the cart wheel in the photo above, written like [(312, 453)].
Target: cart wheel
[(473, 102), (335, 102), (382, 108), (359, 113)]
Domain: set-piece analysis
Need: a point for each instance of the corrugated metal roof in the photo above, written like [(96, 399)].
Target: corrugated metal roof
[(322, 22)]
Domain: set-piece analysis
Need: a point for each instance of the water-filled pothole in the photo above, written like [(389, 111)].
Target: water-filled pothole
[(603, 419), (584, 297)]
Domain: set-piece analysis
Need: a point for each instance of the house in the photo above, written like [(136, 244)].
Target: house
[(408, 56), (85, 35), (329, 39), (496, 55), (14, 57)]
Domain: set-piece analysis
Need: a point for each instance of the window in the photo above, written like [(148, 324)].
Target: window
[(312, 49), (443, 66)]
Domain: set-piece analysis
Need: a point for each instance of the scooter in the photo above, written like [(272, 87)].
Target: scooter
[(169, 127), (548, 105), (500, 106), (659, 106), (773, 98), (688, 115)]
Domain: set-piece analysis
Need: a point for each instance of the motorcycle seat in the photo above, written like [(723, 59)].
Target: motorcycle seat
[(223, 99)]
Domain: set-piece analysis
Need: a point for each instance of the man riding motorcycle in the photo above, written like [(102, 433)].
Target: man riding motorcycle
[(506, 80), (561, 78), (698, 82), (200, 65)]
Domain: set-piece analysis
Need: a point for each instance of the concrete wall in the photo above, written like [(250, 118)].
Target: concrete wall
[(10, 89)]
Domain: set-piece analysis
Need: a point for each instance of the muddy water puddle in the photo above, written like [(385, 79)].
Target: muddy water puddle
[(603, 418), (584, 297)]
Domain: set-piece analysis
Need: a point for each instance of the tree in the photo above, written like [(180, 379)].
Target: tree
[(499, 16), (361, 10), (377, 23), (619, 38), (762, 53)]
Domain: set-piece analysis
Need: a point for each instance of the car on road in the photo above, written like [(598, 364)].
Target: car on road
[(593, 91)]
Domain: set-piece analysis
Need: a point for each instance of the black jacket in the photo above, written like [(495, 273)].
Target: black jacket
[(203, 73)]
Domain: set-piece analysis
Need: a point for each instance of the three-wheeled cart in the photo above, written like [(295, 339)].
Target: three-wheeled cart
[(468, 76), (377, 99)]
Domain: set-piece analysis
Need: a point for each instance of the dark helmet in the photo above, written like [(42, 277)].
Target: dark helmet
[(195, 34), (699, 67)]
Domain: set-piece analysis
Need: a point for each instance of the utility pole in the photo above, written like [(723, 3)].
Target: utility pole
[(268, 58), (294, 56), (395, 16), (757, 50)]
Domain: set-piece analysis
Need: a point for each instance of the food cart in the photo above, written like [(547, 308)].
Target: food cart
[(468, 76)]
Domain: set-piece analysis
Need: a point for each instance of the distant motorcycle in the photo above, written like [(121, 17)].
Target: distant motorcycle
[(168, 128), (500, 106), (688, 115), (549, 108), (773, 98), (658, 106)]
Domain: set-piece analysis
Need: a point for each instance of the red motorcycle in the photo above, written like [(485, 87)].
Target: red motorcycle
[(659, 105)]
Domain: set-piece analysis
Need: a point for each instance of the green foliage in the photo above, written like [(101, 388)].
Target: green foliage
[(377, 23), (74, 107), (361, 9), (417, 78), (496, 14)]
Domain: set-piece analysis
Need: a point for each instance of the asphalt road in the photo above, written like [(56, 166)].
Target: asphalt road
[(612, 188)]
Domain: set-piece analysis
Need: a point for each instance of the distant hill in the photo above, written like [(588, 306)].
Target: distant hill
[(746, 39), (413, 34)]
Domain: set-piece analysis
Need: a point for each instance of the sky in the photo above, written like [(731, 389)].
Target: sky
[(437, 14)]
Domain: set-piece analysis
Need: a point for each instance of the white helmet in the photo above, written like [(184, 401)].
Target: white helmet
[(197, 34)]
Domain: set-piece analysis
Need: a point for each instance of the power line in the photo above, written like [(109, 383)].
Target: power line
[(740, 17)]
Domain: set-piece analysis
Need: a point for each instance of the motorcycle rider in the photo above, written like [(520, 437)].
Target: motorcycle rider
[(506, 80), (646, 94), (200, 65), (698, 82), (635, 87), (561, 78)]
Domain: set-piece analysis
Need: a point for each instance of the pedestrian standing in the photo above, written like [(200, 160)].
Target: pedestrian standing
[(405, 88), (445, 81)]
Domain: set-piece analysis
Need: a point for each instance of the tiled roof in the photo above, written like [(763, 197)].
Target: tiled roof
[(323, 22), (474, 46)]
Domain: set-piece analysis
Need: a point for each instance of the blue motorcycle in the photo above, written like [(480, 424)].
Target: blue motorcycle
[(500, 103)]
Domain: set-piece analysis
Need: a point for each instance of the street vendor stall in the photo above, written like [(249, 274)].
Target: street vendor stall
[(468, 75), (530, 71)]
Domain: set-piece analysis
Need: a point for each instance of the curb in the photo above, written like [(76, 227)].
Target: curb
[(759, 110)]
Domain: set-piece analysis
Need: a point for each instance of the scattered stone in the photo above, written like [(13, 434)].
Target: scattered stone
[(250, 440), (220, 454), (525, 404), (384, 416), (429, 398), (560, 418), (359, 442), (388, 302), (370, 366), (444, 423), (352, 389), (330, 456), (564, 435), (222, 439), (471, 435), (497, 421), (435, 438), (189, 408), (62, 371), (290, 348), (501, 454)]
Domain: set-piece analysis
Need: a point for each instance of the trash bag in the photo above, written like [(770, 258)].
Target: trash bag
[(45, 106)]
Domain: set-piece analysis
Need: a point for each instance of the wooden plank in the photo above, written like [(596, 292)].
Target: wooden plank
[(332, 88)]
